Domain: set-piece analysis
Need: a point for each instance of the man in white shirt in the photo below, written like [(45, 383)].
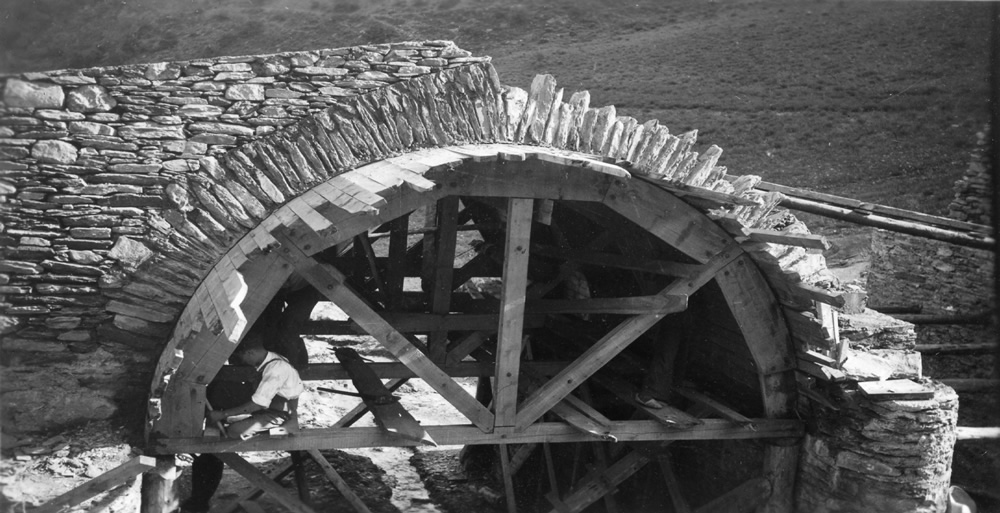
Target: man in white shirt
[(275, 399)]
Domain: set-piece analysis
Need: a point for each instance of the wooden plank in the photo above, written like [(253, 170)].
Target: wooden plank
[(554, 432), (977, 433), (684, 191), (396, 370), (534, 179), (668, 415), (892, 212), (100, 484), (594, 258), (614, 342), (478, 152), (596, 484), (251, 507), (396, 269), (658, 304), (895, 390), (262, 481), (275, 475), (820, 371), (569, 159), (389, 414), (316, 221), (808, 241), (669, 218), (756, 311), (958, 349), (673, 485), (508, 478), (725, 411), (742, 499), (445, 241), (391, 175), (973, 240), (331, 283), (510, 327), (338, 482)]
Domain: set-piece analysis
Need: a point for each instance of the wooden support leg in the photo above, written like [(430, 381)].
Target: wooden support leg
[(158, 494), (276, 475), (262, 481), (298, 460), (338, 482), (673, 486), (508, 479)]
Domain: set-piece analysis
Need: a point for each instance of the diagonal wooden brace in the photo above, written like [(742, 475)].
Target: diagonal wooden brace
[(332, 284)]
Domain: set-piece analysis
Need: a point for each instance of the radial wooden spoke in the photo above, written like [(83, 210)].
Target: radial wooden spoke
[(444, 266), (594, 258), (512, 303), (331, 283), (614, 343), (262, 481), (396, 270)]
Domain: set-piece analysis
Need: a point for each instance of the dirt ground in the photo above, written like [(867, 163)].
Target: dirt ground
[(898, 270)]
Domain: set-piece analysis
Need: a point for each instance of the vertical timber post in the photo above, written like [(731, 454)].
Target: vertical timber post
[(157, 493)]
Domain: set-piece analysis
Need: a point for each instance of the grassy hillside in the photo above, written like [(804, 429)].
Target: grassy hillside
[(874, 100)]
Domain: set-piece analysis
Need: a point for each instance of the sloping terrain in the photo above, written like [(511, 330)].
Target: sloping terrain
[(874, 100)]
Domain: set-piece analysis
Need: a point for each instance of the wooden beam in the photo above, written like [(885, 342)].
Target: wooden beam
[(725, 411), (972, 384), (594, 258), (445, 240), (100, 484), (417, 323), (668, 218), (690, 191), (276, 474), (508, 478), (157, 493), (668, 415), (820, 371), (977, 433), (396, 370), (510, 327), (331, 283), (596, 484), (554, 432), (957, 349), (972, 240), (369, 252), (389, 414), (862, 207), (802, 240), (742, 499), (262, 481), (338, 482), (614, 342), (673, 485), (756, 311), (395, 273)]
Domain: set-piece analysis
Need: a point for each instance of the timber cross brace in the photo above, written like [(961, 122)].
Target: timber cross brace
[(597, 236)]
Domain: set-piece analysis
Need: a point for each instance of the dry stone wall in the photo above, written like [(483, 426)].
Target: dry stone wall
[(973, 192), (121, 188)]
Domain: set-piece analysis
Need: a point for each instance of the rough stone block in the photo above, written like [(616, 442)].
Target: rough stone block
[(249, 92), (32, 95), (130, 253), (54, 152), (90, 98)]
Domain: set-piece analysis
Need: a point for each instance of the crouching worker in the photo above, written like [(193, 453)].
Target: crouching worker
[(275, 399), (245, 408)]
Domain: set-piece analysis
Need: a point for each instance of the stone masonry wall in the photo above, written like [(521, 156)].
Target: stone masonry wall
[(886, 456), (110, 216), (973, 192)]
